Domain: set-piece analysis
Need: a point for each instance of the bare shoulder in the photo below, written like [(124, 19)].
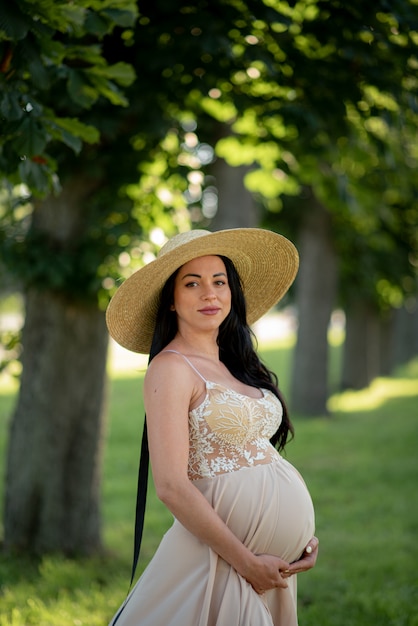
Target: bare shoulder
[(169, 369), (170, 382)]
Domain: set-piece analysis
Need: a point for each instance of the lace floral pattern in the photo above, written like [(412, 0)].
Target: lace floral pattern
[(229, 431)]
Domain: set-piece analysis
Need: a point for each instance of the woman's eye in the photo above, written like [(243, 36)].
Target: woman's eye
[(192, 284), (220, 282)]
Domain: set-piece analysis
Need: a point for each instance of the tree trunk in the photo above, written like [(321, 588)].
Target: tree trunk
[(361, 360), (386, 343), (316, 286), (54, 453), (236, 205), (406, 333)]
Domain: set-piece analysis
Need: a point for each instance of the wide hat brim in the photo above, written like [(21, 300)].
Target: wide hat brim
[(266, 262)]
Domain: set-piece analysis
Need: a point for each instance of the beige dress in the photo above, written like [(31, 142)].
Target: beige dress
[(259, 495)]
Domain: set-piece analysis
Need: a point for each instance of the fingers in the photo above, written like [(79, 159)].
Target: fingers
[(271, 577), (312, 545), (307, 560), (280, 584)]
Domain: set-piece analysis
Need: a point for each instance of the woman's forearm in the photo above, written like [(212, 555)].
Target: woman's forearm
[(195, 513)]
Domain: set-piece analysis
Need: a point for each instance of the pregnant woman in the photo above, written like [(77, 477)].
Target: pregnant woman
[(243, 518)]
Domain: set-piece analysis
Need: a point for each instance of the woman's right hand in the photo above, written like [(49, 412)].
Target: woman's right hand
[(264, 572)]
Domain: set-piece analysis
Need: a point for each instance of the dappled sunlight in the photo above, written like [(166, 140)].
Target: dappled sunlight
[(275, 328), (381, 390), (123, 363), (8, 384), (287, 343), (336, 336)]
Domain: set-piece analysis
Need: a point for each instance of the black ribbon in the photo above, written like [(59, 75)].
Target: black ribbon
[(141, 499)]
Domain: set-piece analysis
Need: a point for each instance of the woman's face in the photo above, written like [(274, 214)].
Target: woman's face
[(202, 297)]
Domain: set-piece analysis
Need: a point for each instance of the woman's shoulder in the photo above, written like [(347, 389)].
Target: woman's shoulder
[(171, 364), (169, 379)]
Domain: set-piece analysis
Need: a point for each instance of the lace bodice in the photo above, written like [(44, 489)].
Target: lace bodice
[(229, 431)]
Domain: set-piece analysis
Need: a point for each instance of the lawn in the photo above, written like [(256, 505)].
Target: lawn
[(361, 466)]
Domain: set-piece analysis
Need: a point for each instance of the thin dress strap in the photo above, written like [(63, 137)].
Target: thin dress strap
[(189, 362)]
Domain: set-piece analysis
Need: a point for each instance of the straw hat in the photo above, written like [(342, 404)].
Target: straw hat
[(266, 263)]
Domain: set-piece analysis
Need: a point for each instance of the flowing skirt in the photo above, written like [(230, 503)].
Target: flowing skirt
[(269, 508)]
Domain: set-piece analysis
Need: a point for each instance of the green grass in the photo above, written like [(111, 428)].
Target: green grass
[(361, 466)]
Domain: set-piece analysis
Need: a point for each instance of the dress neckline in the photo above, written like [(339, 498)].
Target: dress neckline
[(206, 381), (238, 393), (210, 383)]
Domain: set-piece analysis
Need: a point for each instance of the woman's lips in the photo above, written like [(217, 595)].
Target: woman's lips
[(209, 310)]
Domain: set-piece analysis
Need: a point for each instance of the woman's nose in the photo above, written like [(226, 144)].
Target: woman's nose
[(209, 294)]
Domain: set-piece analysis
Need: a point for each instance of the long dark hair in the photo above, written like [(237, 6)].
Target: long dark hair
[(235, 341)]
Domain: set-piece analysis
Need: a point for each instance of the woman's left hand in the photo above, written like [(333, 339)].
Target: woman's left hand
[(306, 561)]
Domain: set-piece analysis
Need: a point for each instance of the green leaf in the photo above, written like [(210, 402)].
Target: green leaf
[(120, 17), (38, 73), (122, 73), (81, 92), (31, 139), (34, 175), (72, 17), (13, 22), (74, 127), (65, 137), (10, 106), (54, 52), (96, 24), (89, 55), (109, 91)]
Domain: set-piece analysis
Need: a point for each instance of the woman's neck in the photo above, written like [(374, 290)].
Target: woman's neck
[(205, 347)]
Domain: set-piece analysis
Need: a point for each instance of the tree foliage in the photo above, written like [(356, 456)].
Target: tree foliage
[(312, 94), (47, 47)]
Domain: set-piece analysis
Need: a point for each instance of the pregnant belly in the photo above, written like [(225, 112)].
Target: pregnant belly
[(268, 507)]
